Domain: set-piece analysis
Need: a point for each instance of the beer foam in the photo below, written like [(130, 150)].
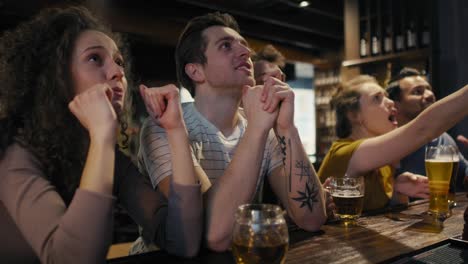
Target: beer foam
[(441, 159), (347, 193)]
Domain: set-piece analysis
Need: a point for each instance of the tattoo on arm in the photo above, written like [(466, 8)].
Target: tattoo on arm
[(304, 169), (308, 196), (282, 142)]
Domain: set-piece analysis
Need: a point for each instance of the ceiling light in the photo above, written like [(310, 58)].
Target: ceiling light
[(304, 3)]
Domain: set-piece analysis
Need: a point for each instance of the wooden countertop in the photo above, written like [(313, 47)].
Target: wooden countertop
[(378, 237)]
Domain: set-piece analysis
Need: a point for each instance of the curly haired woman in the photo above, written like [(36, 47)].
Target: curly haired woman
[(63, 99)]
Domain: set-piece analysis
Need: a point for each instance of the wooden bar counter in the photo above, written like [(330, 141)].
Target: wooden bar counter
[(379, 237)]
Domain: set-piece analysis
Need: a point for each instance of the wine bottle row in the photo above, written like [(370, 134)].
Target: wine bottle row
[(392, 26)]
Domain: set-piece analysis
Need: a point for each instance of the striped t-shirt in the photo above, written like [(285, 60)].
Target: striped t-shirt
[(211, 150)]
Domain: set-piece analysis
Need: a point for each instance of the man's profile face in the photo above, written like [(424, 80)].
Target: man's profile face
[(416, 95), (228, 62)]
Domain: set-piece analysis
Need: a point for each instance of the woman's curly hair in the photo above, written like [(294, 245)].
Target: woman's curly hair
[(36, 87)]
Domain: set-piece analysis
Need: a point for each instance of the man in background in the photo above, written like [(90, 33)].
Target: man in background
[(268, 62), (412, 94)]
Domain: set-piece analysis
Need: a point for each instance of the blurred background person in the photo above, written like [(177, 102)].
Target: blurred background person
[(412, 94), (371, 142), (268, 62)]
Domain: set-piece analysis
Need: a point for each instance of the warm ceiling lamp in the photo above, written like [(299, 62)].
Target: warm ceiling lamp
[(304, 3)]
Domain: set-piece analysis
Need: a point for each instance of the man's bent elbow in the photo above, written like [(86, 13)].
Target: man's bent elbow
[(313, 225), (189, 249)]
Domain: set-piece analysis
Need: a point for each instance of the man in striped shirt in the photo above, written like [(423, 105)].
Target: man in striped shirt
[(232, 158)]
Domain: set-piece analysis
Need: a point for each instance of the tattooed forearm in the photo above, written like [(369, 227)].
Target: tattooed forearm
[(303, 195), (308, 196), (303, 169), (282, 142), (283, 146)]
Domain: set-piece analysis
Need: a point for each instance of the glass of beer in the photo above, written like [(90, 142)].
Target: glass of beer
[(260, 234), (348, 196), (439, 165), (453, 179)]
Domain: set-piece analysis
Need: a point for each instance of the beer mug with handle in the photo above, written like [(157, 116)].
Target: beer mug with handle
[(439, 165), (348, 196), (260, 234)]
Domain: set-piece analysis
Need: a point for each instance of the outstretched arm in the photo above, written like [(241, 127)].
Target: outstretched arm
[(392, 146)]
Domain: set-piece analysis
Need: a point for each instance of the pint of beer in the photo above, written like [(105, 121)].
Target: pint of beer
[(439, 165), (348, 196), (260, 234)]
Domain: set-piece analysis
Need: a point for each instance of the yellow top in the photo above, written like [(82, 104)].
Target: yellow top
[(378, 183)]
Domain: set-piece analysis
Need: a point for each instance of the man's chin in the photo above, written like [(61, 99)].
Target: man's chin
[(250, 81)]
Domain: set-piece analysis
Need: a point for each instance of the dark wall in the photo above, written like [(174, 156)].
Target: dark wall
[(153, 62), (153, 65), (450, 52)]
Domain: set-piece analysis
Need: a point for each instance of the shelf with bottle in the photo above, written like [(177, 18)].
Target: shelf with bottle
[(326, 78), (410, 54), (325, 86), (326, 119), (326, 83), (391, 29)]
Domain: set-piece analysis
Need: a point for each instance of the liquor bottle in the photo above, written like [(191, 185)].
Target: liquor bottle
[(363, 45), (411, 36), (425, 35), (387, 45), (375, 48), (399, 41)]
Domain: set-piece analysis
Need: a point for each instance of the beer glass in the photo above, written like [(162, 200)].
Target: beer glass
[(348, 196), (453, 179), (260, 234), (439, 165)]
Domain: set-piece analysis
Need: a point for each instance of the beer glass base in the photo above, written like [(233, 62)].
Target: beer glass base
[(452, 204), (348, 222), (439, 217)]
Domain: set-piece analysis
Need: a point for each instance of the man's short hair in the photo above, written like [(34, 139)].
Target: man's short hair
[(191, 46), (393, 88), (271, 54)]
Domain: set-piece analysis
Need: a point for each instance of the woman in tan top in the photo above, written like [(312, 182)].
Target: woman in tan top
[(370, 139), (63, 99)]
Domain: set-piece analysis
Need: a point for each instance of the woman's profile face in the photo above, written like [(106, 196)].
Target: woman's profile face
[(97, 60), (377, 112)]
